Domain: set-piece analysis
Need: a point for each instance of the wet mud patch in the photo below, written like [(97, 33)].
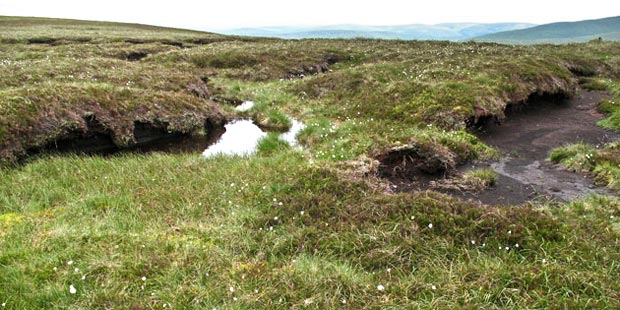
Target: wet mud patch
[(525, 138), (524, 135)]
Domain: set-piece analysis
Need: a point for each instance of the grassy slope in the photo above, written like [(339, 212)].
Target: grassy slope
[(288, 229), (582, 31)]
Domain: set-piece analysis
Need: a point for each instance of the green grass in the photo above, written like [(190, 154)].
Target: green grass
[(296, 232), (271, 144), (603, 163), (287, 228), (611, 107), (480, 179)]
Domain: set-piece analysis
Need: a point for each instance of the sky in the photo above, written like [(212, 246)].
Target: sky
[(228, 14)]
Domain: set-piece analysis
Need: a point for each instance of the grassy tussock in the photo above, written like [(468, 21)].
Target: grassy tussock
[(603, 163)]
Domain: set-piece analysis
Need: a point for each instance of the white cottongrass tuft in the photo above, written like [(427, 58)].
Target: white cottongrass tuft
[(72, 289), (430, 225), (380, 287)]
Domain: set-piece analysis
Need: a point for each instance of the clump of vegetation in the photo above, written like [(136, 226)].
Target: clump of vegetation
[(611, 107), (471, 181), (593, 84), (578, 157), (603, 163), (275, 120), (480, 179), (271, 144)]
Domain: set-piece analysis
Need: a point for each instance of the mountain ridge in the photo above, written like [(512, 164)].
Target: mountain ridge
[(443, 31), (561, 32)]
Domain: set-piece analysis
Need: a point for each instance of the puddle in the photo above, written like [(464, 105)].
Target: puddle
[(237, 137), (291, 135), (242, 136), (245, 106)]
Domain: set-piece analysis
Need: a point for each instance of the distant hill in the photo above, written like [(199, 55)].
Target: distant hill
[(565, 32), (452, 31), (15, 29)]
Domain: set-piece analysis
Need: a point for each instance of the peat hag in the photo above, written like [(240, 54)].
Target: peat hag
[(524, 136)]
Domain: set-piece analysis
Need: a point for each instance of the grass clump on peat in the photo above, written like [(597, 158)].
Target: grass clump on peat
[(602, 163), (611, 107), (271, 144)]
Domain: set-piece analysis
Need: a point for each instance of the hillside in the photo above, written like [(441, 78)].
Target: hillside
[(565, 32), (380, 202), (453, 32)]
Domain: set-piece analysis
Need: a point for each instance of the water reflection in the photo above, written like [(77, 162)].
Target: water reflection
[(246, 105), (242, 137)]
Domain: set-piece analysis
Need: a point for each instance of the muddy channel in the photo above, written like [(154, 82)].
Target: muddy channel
[(525, 139)]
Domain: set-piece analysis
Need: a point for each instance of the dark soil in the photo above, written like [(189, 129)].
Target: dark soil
[(148, 139), (136, 55), (525, 138)]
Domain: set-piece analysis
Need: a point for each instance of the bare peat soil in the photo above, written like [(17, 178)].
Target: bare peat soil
[(525, 138)]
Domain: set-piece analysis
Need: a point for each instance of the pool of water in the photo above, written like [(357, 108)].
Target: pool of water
[(245, 106), (242, 136)]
